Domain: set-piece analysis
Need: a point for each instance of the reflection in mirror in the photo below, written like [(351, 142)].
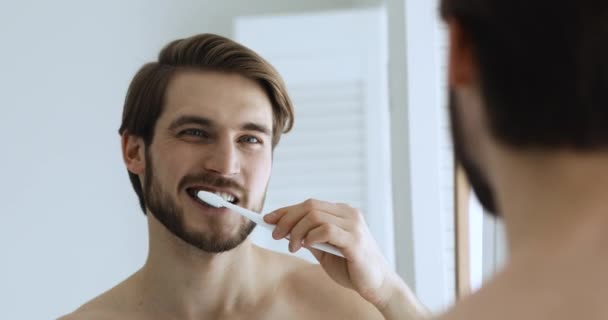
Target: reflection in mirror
[(70, 84)]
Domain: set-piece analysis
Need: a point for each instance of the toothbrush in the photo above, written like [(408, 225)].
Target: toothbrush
[(214, 200)]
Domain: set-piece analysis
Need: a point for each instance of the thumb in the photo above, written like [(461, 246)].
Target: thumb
[(319, 255)]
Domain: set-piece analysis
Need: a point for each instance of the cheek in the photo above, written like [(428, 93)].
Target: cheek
[(259, 174), (472, 122), (168, 165)]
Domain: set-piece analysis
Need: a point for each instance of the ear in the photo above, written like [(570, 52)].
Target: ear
[(133, 153), (462, 69)]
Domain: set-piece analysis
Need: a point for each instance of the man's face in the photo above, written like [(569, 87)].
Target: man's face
[(215, 134)]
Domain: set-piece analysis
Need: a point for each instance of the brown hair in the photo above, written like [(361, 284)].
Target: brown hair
[(145, 97), (542, 67)]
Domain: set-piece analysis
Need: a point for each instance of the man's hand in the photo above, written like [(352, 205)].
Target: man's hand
[(363, 267)]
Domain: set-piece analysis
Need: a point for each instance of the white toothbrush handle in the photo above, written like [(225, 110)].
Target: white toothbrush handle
[(260, 221), (328, 248), (255, 217), (325, 247)]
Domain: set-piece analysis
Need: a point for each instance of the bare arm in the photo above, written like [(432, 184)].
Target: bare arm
[(363, 267), (403, 304)]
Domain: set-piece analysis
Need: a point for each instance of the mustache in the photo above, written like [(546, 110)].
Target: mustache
[(212, 180)]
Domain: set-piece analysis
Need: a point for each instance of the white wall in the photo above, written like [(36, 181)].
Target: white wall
[(70, 226)]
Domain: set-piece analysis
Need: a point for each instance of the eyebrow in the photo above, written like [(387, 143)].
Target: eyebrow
[(206, 122), (184, 120), (250, 126)]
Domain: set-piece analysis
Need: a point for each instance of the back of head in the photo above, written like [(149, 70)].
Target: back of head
[(543, 69), (146, 94)]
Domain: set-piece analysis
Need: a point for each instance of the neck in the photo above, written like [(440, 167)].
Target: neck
[(179, 279), (549, 198)]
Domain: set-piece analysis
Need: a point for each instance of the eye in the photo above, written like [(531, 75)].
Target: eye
[(250, 140), (194, 133)]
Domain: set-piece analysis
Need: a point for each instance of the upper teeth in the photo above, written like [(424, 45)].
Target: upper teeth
[(226, 196)]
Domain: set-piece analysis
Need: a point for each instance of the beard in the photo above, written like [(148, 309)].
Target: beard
[(171, 215), (477, 178)]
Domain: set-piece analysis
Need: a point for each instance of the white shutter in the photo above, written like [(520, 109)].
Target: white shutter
[(446, 169), (324, 156), (334, 65)]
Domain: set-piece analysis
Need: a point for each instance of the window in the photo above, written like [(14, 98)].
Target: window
[(334, 65)]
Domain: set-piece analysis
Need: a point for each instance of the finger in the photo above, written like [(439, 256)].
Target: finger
[(295, 213), (328, 233), (348, 212), (318, 254), (286, 222), (274, 216), (313, 204), (309, 222)]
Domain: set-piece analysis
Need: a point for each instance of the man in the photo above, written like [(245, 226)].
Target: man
[(529, 109), (530, 83), (207, 116)]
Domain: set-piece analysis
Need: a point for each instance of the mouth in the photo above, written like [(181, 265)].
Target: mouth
[(225, 194)]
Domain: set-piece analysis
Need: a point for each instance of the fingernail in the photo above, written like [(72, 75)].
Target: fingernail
[(276, 233)]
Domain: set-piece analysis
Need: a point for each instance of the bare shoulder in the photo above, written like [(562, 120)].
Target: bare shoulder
[(94, 310), (90, 315), (309, 292), (112, 304), (311, 285)]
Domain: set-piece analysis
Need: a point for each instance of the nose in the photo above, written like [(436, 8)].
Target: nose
[(223, 158)]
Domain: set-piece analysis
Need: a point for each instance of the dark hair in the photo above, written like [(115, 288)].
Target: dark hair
[(543, 68), (145, 97)]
